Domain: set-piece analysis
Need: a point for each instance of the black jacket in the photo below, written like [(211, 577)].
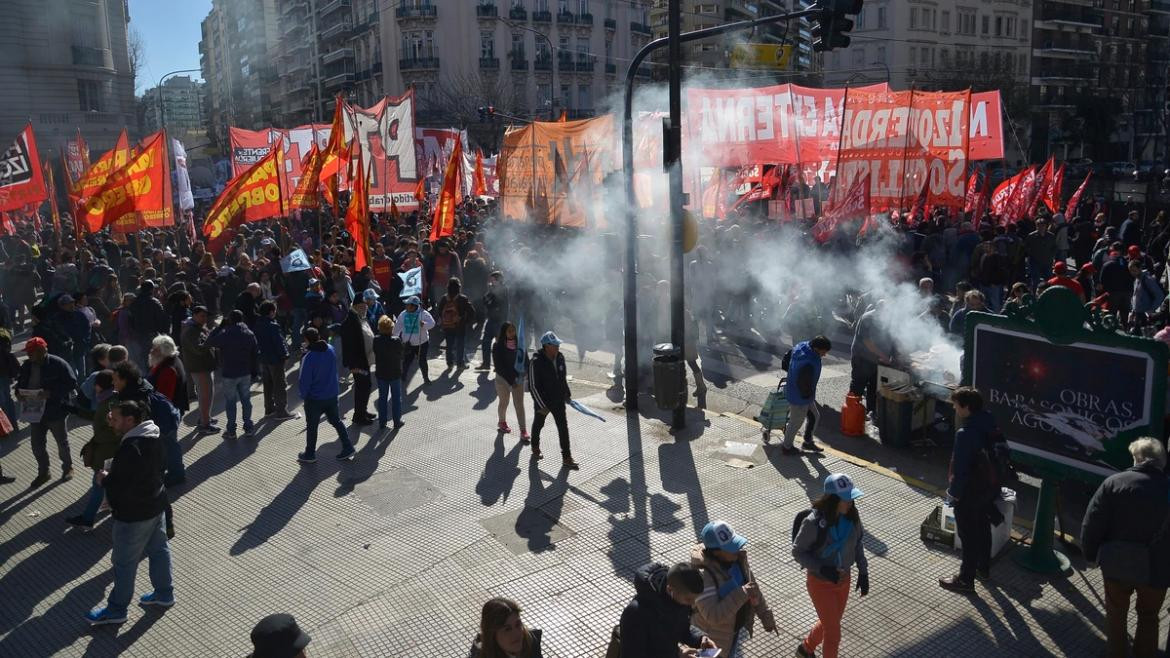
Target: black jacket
[(462, 306), (134, 484), (353, 342), (496, 303), (57, 378), (653, 624), (1129, 506), (387, 357), (547, 381), (148, 318), (504, 362)]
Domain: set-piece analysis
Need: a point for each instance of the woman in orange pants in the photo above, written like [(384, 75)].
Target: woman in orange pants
[(828, 544)]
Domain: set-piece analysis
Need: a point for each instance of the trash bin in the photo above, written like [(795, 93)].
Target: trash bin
[(895, 414), (670, 391)]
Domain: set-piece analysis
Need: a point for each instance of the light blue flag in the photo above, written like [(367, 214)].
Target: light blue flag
[(411, 282), (585, 410), (295, 261), (521, 360)]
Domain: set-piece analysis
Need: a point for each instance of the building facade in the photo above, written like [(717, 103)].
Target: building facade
[(237, 55), (65, 65), (181, 107)]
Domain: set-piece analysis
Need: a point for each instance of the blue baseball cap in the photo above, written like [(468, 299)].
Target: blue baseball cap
[(413, 301), (717, 534), (369, 295), (549, 338), (841, 485)]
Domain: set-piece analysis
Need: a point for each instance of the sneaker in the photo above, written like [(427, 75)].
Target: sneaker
[(67, 474), (346, 455), (38, 480), (811, 447), (801, 652), (790, 451), (398, 424), (570, 465), (536, 456), (483, 366), (286, 415), (103, 616), (956, 584), (503, 427), (206, 429), (524, 438), (306, 459), (4, 479), (361, 420), (154, 599), (983, 575), (249, 434), (215, 421), (80, 522), (229, 435)]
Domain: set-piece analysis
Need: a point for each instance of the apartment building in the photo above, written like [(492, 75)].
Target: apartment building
[(181, 101), (237, 55)]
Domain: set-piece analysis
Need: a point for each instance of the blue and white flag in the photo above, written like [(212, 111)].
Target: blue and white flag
[(295, 261), (411, 282), (521, 360), (585, 410)]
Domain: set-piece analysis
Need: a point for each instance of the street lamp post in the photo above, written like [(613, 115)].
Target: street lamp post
[(551, 50), (162, 111)]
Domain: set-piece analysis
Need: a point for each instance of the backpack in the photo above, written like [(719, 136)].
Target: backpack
[(162, 412), (999, 459), (449, 318), (798, 520), (786, 360)]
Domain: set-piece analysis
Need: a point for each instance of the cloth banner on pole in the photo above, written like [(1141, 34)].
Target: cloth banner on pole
[(22, 180), (182, 176), (133, 196), (296, 261), (411, 282)]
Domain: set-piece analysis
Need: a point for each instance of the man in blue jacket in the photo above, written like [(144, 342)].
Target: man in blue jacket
[(237, 346), (273, 354), (319, 390), (804, 372), (972, 489)]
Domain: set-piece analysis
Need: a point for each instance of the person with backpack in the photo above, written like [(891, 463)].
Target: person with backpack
[(1125, 533), (974, 486), (236, 345), (826, 542), (413, 328), (804, 372), (731, 598), (1148, 295), (148, 319), (658, 619), (456, 314)]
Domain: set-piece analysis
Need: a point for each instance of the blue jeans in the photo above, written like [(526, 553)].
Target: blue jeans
[(132, 542), (456, 341), (994, 295), (391, 388), (237, 389), (6, 401), (299, 317), (94, 502), (314, 409), (175, 471)]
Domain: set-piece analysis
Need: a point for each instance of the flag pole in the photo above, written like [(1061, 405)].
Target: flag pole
[(905, 148)]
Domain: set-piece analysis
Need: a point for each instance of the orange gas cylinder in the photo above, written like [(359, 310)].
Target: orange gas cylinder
[(853, 416)]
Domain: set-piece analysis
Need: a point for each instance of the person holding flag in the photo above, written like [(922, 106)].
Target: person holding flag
[(413, 328), (549, 386)]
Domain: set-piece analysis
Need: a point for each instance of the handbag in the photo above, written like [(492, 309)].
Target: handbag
[(87, 454), (1129, 562)]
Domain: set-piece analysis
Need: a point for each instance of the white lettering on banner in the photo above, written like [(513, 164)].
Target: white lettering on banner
[(979, 126)]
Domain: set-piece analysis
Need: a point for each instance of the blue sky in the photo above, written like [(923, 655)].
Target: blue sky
[(170, 35)]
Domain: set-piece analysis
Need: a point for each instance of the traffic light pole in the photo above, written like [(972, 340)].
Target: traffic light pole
[(631, 264)]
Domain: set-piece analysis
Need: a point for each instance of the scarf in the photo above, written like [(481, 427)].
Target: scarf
[(835, 544)]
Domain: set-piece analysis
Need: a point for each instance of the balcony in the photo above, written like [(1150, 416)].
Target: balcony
[(565, 17), (337, 30), (611, 69), (1069, 51), (419, 61), (542, 17), (643, 71), (330, 7), (1160, 6), (296, 66), (584, 66), (518, 14), (565, 64), (639, 28), (489, 63), (542, 64), (585, 19), (292, 26), (292, 6), (421, 11), (340, 80), (519, 61), (298, 49), (84, 56), (611, 23), (486, 11), (337, 55)]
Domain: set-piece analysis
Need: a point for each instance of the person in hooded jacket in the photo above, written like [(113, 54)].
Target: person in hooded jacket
[(548, 383), (731, 598), (236, 345), (658, 619), (319, 390), (273, 353), (388, 371), (804, 373), (357, 354), (413, 328)]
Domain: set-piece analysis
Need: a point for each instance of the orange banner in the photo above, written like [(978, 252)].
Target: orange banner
[(137, 189), (443, 223), (250, 197), (95, 177), (357, 216), (305, 196)]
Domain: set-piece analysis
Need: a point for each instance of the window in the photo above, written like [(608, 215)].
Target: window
[(540, 5), (487, 45), (881, 17), (945, 23), (1009, 26), (1024, 34), (881, 55), (945, 57), (566, 96), (858, 57), (966, 22), (584, 97), (986, 25), (583, 7), (913, 55), (914, 18), (608, 49), (517, 45), (563, 6), (542, 52), (582, 48), (89, 95), (544, 94), (927, 56), (927, 18), (860, 23), (999, 26)]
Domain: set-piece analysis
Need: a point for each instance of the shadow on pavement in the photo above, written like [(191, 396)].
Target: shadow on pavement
[(276, 514), (365, 463), (542, 508), (499, 473)]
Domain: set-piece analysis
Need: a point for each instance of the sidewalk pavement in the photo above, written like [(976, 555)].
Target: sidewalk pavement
[(395, 552)]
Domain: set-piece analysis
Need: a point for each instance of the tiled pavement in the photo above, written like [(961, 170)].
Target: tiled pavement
[(392, 554)]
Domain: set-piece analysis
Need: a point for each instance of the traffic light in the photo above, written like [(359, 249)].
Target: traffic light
[(832, 24)]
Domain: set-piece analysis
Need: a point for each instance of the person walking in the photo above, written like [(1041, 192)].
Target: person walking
[(147, 319), (731, 598), (273, 353), (199, 361), (103, 446), (658, 619), (509, 381), (413, 328), (827, 545), (456, 315), (388, 370), (168, 378), (548, 383), (319, 389), (51, 380), (357, 355), (973, 488), (495, 305), (9, 372), (804, 373), (237, 347), (1125, 533), (138, 502)]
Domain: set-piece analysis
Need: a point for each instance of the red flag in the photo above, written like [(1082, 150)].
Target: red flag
[(304, 197), (1052, 191), (420, 192), (22, 180), (357, 216), (1017, 208), (1003, 199), (6, 225), (918, 211), (137, 189), (478, 183), (336, 159), (249, 197), (1039, 187), (854, 204), (443, 223), (971, 199), (395, 216), (1071, 208), (564, 116), (763, 191), (76, 160)]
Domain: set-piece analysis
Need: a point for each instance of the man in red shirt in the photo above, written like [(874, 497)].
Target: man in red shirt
[(382, 268), (1061, 278)]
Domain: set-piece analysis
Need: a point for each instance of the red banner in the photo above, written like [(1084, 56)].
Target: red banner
[(137, 190), (443, 223), (357, 217), (1052, 192), (95, 176), (1005, 192), (305, 196), (251, 196), (1071, 208), (22, 182), (76, 159), (854, 205)]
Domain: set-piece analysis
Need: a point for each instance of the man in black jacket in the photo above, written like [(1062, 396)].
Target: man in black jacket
[(658, 619), (138, 502), (357, 345), (1130, 510), (52, 380), (549, 386), (148, 319), (972, 488)]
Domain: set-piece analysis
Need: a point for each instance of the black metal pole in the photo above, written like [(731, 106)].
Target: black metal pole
[(673, 164), (631, 279)]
